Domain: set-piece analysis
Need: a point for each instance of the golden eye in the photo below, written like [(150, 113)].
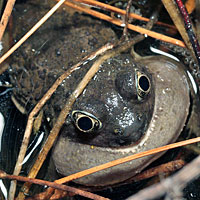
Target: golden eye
[(85, 122), (143, 85)]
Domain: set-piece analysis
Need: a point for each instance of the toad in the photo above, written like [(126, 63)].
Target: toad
[(130, 105)]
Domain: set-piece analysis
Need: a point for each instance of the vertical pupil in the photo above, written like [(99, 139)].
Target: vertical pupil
[(144, 83)]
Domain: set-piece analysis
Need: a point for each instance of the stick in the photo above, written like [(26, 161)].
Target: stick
[(83, 193), (130, 26), (173, 184), (6, 16), (55, 130)]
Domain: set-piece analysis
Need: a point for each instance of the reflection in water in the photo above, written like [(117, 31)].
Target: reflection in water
[(12, 126), (3, 189), (2, 124), (38, 141)]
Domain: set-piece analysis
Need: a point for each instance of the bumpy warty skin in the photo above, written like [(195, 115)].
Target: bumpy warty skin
[(111, 95)]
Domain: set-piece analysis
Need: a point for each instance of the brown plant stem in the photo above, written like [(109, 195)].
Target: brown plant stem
[(189, 30), (197, 19), (126, 159), (61, 118), (164, 169), (126, 19), (130, 26), (83, 193), (38, 107), (110, 8), (6, 16), (161, 169), (175, 15), (171, 186)]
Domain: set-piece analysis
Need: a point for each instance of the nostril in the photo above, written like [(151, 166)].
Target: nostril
[(85, 123)]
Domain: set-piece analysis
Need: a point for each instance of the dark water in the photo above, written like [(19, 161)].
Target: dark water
[(13, 132)]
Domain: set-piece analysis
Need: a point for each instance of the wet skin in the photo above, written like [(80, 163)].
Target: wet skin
[(129, 106), (119, 99)]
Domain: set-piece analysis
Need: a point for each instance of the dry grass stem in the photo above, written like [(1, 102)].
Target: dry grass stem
[(31, 31), (130, 26), (110, 8), (126, 159), (30, 123), (76, 191), (61, 119), (6, 16), (178, 21), (197, 19), (161, 169), (189, 28), (173, 185), (126, 19)]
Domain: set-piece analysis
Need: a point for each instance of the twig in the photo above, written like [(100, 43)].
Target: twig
[(179, 22), (6, 16), (130, 26), (60, 121), (90, 195), (197, 19), (189, 30), (126, 159), (161, 169), (110, 8), (58, 194), (175, 183), (31, 31), (31, 116), (126, 18)]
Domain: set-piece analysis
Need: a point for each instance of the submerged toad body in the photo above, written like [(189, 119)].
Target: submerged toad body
[(127, 107)]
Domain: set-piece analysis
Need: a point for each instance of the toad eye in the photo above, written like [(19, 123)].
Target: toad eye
[(133, 85), (85, 122), (142, 84)]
